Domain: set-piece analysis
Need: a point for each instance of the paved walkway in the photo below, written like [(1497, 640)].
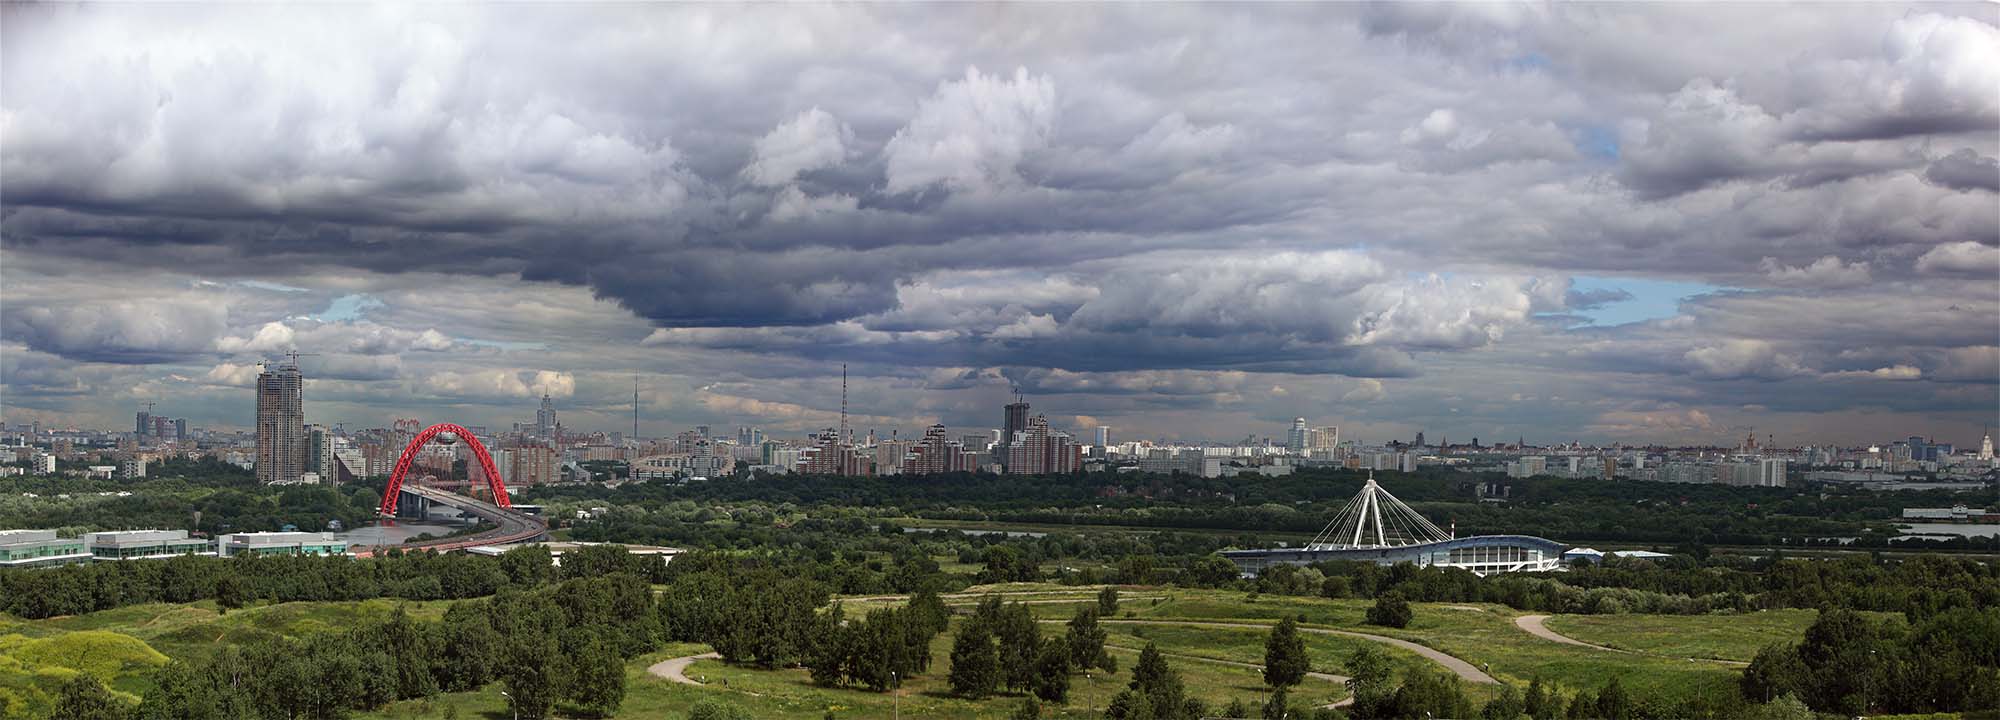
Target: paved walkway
[(675, 669), (1534, 625), (1461, 668)]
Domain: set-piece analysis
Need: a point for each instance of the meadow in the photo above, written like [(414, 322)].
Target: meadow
[(1193, 627)]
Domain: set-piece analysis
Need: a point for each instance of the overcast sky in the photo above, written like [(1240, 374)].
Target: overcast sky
[(1642, 223)]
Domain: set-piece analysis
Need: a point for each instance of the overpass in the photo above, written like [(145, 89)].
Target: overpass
[(510, 526)]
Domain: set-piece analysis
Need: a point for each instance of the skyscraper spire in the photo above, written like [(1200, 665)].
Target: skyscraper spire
[(635, 407), (844, 439)]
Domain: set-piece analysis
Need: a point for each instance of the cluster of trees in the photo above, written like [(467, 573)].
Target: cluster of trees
[(1155, 693), (564, 643), (1848, 664), (171, 502), (418, 575), (1920, 584), (1002, 646), (1568, 509), (881, 650)]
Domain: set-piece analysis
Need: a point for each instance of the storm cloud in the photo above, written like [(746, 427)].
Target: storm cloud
[(1193, 220)]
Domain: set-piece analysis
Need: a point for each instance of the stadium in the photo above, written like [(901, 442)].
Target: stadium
[(1376, 527)]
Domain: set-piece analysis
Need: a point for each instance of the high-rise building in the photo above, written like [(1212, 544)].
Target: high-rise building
[(938, 453), (1323, 438), (145, 423), (1986, 447), (1420, 438), (319, 453), (1036, 451), (281, 424), (545, 419), (181, 429), (1295, 441), (1103, 436), (1772, 472), (1015, 421), (163, 427)]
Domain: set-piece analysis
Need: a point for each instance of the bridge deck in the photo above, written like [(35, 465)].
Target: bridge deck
[(510, 526)]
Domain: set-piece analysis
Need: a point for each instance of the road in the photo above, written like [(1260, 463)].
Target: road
[(509, 526)]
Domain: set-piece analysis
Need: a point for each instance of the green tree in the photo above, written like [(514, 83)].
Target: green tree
[(1582, 706), (1390, 610), (1507, 706), (84, 698), (1027, 710), (1165, 695), (1539, 703), (231, 592), (1052, 672), (532, 676), (1370, 670), (1107, 601), (1276, 707), (1429, 693), (468, 650), (1612, 701), (1130, 704), (929, 611), (1788, 707), (1285, 660), (1085, 639), (596, 678), (975, 663), (712, 709), (1020, 646)]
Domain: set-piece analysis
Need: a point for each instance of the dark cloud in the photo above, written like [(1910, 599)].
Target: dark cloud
[(1247, 210), (1965, 169)]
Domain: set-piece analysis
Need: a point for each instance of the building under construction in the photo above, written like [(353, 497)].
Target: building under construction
[(1376, 527)]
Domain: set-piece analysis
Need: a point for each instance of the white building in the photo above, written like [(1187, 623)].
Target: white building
[(280, 543), (144, 544)]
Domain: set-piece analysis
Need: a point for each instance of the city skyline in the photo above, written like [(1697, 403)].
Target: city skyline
[(1179, 222)]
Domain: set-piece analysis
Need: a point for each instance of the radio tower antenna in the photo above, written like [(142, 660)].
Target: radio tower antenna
[(635, 407), (844, 440)]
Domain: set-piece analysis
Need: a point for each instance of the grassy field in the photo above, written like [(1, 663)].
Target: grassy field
[(1728, 637), (126, 644)]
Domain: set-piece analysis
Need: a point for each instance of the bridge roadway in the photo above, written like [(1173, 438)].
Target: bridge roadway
[(509, 526)]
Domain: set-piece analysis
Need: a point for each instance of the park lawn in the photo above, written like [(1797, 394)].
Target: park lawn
[(791, 693), (1483, 634), (1728, 637), (1329, 653)]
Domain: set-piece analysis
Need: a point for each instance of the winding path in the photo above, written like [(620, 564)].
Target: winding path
[(675, 669), (1536, 625), (1461, 668)]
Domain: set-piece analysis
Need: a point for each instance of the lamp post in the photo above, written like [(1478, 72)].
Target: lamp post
[(896, 686), (510, 704)]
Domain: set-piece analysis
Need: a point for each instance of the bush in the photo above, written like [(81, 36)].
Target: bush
[(1390, 610)]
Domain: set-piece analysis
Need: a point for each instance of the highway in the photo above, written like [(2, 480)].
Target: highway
[(510, 526)]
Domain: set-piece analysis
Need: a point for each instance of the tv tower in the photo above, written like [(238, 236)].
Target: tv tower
[(844, 439)]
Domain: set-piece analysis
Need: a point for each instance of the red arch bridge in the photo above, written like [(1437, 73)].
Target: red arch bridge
[(510, 526)]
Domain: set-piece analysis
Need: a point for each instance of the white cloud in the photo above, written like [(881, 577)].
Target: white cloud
[(1826, 272), (1738, 358), (814, 139), (1366, 390), (498, 384), (1969, 256), (971, 134)]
